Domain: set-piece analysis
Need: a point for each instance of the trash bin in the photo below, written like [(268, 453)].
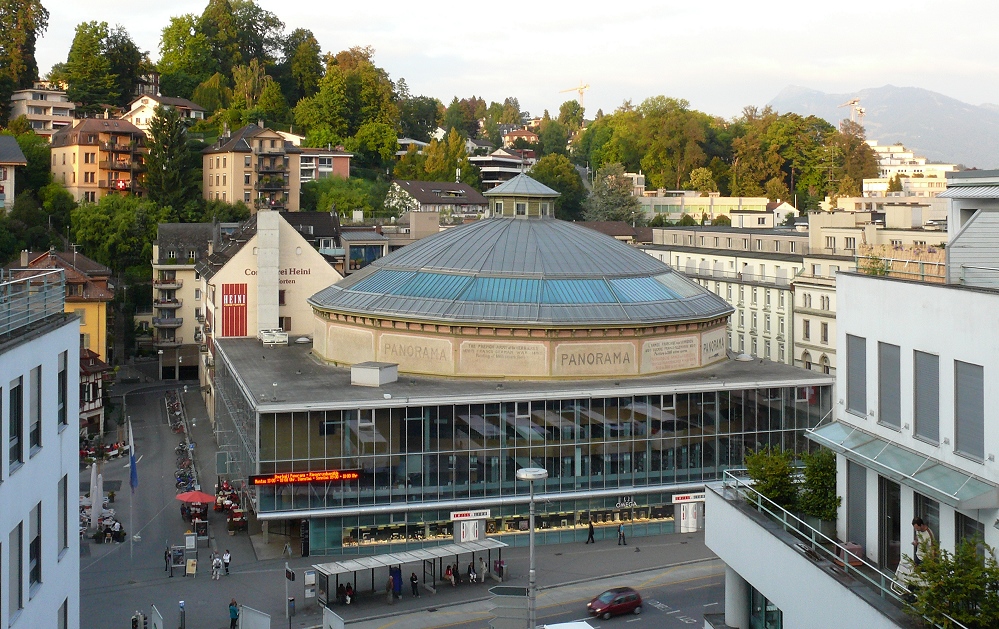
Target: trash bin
[(291, 605), (499, 567)]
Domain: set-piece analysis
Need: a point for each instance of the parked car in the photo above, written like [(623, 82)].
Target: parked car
[(616, 601)]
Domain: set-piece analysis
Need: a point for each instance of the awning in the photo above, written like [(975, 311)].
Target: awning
[(918, 471), (970, 192), (431, 553)]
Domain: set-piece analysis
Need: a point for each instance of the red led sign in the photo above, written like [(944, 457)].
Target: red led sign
[(298, 478)]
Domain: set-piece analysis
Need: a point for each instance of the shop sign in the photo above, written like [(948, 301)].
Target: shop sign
[(300, 478), (626, 502), (481, 514), (681, 498)]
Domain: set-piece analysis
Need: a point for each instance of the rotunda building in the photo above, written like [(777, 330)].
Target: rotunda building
[(521, 295)]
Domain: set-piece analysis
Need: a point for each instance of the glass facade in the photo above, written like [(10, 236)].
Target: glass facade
[(623, 448)]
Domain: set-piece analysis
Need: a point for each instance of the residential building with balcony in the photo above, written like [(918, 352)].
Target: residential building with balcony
[(502, 165), (46, 107), (11, 157), (39, 464), (89, 293), (254, 165), (142, 110), (318, 163), (99, 156), (901, 226), (178, 300)]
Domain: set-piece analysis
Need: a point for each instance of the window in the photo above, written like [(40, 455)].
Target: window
[(759, 244), (766, 349), (63, 615), (63, 385), (62, 512), (728, 292), (217, 161), (776, 245), (780, 352), (742, 293), (521, 209), (754, 322), (745, 243), (856, 374), (967, 528), (851, 243), (806, 360), (16, 419), (806, 329), (197, 294), (780, 326), (84, 341), (766, 298), (969, 409), (742, 344), (285, 323), (792, 246), (246, 161), (16, 562), (754, 346), (728, 243), (281, 294), (824, 333), (35, 547), (929, 510), (246, 196), (766, 324), (830, 242), (761, 221), (35, 408), (223, 159), (889, 385), (90, 197), (816, 270), (742, 318), (716, 241), (754, 296), (171, 255), (499, 207), (926, 395), (544, 209), (223, 179), (88, 177), (192, 254), (675, 238), (90, 158), (780, 299)]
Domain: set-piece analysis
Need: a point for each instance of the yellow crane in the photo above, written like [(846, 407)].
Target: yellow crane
[(579, 89), (856, 111)]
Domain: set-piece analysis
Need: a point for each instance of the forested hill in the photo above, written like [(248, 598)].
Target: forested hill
[(933, 125)]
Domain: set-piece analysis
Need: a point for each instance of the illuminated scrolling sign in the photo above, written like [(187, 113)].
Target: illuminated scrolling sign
[(299, 478)]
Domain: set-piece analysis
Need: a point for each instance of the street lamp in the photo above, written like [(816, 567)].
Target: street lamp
[(180, 359), (160, 354), (531, 474)]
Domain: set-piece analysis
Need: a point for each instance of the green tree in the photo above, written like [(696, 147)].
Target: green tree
[(686, 220), (369, 94), (259, 33), (702, 180), (411, 165), (325, 112), (418, 115), (178, 84), (570, 113), (37, 153), (818, 493), (218, 25), (128, 63), (58, 204), (558, 173), (170, 180), (248, 84), (185, 51), (895, 184), (213, 93), (374, 144), (460, 115), (215, 210), (776, 190), (445, 159), (344, 196), (723, 220), (772, 470), (848, 187), (611, 199), (962, 586), (22, 22), (303, 57), (553, 136), (272, 102), (89, 74), (19, 125), (118, 230)]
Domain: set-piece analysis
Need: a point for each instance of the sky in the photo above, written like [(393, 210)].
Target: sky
[(719, 55)]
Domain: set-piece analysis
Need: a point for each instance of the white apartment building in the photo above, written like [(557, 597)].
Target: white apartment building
[(142, 110), (46, 107), (895, 159), (39, 468)]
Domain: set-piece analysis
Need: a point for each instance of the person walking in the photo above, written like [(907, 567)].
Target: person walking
[(414, 583), (620, 535), (166, 561), (216, 568), (589, 537), (922, 540), (233, 614), (482, 570), (226, 558)]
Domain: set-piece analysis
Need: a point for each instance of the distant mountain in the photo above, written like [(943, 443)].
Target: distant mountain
[(938, 127)]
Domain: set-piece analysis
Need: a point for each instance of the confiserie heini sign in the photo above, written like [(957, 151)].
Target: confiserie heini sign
[(470, 515), (299, 478), (679, 498)]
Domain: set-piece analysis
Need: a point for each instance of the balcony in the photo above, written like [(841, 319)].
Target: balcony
[(167, 283), (119, 185), (269, 150), (115, 147), (170, 341), (268, 183), (264, 203), (168, 322), (168, 303), (122, 165), (266, 168)]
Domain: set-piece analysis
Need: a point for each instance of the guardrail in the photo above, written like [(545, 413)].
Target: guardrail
[(29, 296), (821, 545)]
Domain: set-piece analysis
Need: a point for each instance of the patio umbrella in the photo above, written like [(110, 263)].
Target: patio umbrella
[(195, 496), (95, 507), (98, 495)]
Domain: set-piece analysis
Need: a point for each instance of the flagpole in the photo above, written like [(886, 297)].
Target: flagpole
[(133, 480)]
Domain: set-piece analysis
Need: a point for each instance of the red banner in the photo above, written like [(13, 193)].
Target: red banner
[(233, 310)]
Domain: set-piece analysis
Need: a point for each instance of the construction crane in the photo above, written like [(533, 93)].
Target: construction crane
[(856, 111), (579, 89)]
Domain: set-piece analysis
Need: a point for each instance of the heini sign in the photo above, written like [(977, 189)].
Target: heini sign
[(470, 515), (681, 498)]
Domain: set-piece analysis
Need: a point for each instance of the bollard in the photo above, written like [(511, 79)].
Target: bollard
[(183, 616), (291, 606)]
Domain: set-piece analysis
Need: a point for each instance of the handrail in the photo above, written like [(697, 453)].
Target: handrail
[(799, 528)]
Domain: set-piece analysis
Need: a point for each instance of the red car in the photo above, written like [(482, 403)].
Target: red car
[(616, 601)]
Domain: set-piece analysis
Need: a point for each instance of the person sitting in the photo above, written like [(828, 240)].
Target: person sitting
[(449, 575), (350, 592), (471, 572), (457, 573), (341, 594)]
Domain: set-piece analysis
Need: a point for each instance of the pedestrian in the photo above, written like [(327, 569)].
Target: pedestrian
[(922, 542), (388, 590), (482, 570), (341, 594), (620, 535), (589, 538), (349, 590), (166, 561), (471, 572), (414, 582), (233, 614), (226, 558)]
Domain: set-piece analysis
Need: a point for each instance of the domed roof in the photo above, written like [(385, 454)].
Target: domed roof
[(522, 272)]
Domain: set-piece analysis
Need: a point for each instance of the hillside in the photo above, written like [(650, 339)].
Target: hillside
[(938, 127)]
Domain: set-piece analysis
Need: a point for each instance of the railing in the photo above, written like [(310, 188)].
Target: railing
[(265, 168), (274, 204), (278, 184), (118, 164), (168, 322), (29, 296), (115, 147), (168, 303), (168, 282), (269, 150), (716, 274), (172, 341), (821, 546)]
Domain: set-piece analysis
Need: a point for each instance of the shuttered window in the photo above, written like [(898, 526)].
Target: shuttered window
[(856, 374), (926, 395), (889, 383), (969, 409)]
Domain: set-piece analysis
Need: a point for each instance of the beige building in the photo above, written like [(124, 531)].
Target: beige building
[(256, 166), (903, 227), (99, 156), (142, 110), (46, 107), (673, 204)]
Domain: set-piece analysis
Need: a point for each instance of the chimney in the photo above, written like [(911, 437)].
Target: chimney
[(260, 122), (24, 258)]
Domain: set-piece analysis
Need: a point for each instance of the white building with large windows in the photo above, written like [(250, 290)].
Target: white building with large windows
[(39, 468)]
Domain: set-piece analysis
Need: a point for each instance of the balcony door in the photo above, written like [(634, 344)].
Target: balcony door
[(889, 524)]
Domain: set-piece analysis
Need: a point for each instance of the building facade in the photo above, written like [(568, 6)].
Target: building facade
[(142, 110), (11, 157), (95, 157), (39, 386), (46, 107), (255, 166), (317, 163), (454, 202)]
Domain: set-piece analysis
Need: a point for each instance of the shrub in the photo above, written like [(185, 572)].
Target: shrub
[(818, 497), (772, 471)]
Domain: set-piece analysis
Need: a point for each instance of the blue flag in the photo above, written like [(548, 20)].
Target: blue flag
[(133, 476)]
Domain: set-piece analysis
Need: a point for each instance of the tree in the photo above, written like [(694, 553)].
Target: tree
[(325, 113), (410, 166), (89, 74), (375, 144), (553, 136), (776, 189), (445, 159), (772, 470), (570, 113), (558, 173), (185, 51), (418, 115), (303, 57), (460, 115), (22, 22), (702, 180), (368, 93), (170, 180), (259, 33), (723, 220), (218, 25), (961, 587), (895, 184), (215, 210), (128, 63), (848, 187), (118, 230), (37, 153), (818, 492), (213, 93), (611, 199), (272, 102), (344, 195)]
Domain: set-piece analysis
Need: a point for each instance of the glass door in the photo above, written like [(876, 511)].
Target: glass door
[(889, 524)]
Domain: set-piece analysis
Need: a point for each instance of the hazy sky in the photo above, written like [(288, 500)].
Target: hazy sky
[(720, 55)]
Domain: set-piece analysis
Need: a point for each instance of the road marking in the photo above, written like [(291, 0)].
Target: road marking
[(634, 620), (129, 464), (700, 587), (710, 604)]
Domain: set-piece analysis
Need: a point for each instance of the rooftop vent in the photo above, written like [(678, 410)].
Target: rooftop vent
[(373, 374)]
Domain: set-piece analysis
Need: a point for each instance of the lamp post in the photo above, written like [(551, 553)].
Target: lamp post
[(180, 359), (160, 354), (531, 474)]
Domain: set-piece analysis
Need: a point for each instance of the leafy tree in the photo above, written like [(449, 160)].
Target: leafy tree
[(818, 496), (248, 84), (460, 115), (19, 125), (272, 103), (37, 153), (776, 189), (303, 57), (118, 230), (511, 113), (218, 25), (848, 187), (212, 210), (772, 470), (170, 180), (213, 93), (22, 22), (558, 173), (178, 84), (418, 115), (410, 165), (344, 195), (128, 63), (58, 204), (570, 113), (368, 93), (374, 144), (961, 587), (259, 33), (895, 184), (660, 220), (446, 158), (89, 74), (702, 180), (553, 136), (185, 51), (611, 199), (686, 220), (723, 220), (674, 137)]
